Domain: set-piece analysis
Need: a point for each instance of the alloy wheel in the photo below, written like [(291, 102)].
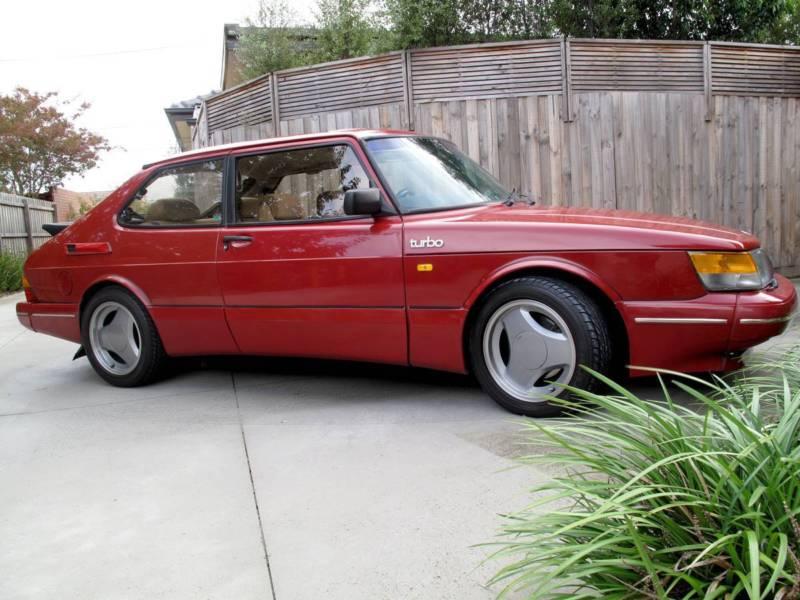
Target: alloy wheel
[(116, 341), (529, 350)]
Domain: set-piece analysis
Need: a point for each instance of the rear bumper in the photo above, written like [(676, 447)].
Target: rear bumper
[(706, 333), (59, 320)]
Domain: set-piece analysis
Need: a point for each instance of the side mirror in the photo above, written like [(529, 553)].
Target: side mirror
[(363, 202)]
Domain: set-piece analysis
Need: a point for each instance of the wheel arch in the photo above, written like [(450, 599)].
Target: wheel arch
[(112, 281), (588, 282)]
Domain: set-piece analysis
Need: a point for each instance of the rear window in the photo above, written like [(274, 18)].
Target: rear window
[(186, 195)]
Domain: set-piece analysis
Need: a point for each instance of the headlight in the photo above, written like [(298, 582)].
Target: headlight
[(733, 271)]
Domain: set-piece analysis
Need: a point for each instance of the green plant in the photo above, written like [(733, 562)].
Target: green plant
[(10, 272), (667, 500)]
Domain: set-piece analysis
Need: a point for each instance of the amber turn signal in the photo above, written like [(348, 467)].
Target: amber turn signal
[(723, 262), (733, 271)]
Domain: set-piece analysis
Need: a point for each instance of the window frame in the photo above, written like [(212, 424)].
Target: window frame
[(388, 205), (223, 159)]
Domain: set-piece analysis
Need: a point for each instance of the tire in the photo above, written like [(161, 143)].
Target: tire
[(529, 337), (120, 339)]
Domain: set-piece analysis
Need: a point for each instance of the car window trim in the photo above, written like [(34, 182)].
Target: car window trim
[(155, 174), (422, 211), (319, 221), (351, 143)]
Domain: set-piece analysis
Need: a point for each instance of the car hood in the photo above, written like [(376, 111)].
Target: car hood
[(503, 228)]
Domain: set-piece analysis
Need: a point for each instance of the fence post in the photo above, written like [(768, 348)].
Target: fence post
[(276, 109), (707, 81), (26, 213), (408, 89), (566, 81)]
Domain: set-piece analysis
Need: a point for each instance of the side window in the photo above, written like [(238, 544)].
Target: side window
[(295, 185), (184, 195)]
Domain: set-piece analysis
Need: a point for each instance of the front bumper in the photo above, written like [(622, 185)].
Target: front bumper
[(706, 333), (763, 314)]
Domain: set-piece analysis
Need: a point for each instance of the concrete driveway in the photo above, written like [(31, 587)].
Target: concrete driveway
[(247, 479)]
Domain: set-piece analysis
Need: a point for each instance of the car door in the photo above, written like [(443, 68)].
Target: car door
[(164, 244), (298, 276)]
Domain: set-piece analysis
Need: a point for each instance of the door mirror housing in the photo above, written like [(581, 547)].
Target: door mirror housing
[(363, 202)]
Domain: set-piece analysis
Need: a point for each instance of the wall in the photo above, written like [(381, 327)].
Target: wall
[(69, 204), (696, 129)]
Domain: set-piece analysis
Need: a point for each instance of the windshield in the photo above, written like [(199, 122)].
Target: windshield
[(431, 174)]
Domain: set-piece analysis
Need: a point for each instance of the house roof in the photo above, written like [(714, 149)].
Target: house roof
[(181, 117)]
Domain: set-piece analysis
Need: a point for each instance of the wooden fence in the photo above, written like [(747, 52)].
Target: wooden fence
[(705, 130), (21, 221)]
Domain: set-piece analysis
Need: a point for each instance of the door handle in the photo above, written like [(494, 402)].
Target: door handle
[(236, 240)]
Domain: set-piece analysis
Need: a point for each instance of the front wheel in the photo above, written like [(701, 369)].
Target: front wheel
[(120, 339), (530, 337)]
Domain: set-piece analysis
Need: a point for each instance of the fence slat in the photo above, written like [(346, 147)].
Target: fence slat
[(21, 221), (26, 217)]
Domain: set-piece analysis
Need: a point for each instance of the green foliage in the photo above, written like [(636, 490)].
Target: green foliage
[(40, 145), (496, 20), (345, 30), (10, 272), (600, 19), (786, 29), (727, 20), (663, 500), (274, 40), (348, 28), (420, 23)]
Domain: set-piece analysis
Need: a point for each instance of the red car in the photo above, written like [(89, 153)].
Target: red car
[(392, 247)]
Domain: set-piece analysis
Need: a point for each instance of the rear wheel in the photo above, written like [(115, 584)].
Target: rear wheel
[(530, 337), (120, 339)]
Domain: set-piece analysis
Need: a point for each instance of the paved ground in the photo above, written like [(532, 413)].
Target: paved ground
[(358, 481)]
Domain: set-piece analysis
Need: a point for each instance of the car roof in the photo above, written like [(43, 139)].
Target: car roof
[(226, 148)]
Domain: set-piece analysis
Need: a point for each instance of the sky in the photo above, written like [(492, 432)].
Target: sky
[(129, 60)]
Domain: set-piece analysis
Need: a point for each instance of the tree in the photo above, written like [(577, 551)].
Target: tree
[(345, 29), (40, 145), (421, 23), (787, 29), (496, 20), (592, 18), (274, 40), (723, 20), (743, 20)]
